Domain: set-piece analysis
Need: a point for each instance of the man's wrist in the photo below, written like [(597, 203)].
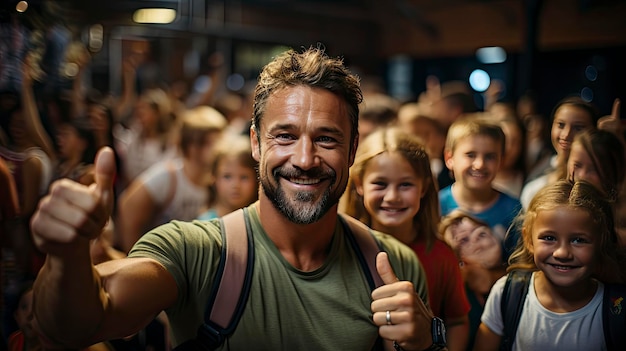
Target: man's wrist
[(438, 335)]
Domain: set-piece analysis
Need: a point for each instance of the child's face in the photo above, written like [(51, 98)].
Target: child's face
[(568, 121), (391, 191), (236, 185), (581, 167), (70, 143), (475, 243), (475, 162), (563, 246), (24, 314)]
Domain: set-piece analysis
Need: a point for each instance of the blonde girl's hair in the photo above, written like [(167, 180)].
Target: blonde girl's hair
[(393, 139), (581, 196), (476, 124), (230, 146)]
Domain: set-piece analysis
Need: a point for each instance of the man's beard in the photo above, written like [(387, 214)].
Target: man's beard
[(302, 208)]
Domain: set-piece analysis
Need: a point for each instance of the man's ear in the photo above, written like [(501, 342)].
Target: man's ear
[(447, 157), (254, 143), (355, 144)]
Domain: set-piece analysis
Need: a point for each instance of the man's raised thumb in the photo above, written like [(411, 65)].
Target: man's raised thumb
[(384, 268), (105, 172)]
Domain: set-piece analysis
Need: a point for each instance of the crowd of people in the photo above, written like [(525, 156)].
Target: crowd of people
[(111, 208)]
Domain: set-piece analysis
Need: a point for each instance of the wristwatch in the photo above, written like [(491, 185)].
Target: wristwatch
[(438, 329)]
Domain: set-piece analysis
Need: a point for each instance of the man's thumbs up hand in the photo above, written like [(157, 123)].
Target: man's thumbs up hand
[(72, 214), (398, 311), (105, 177), (384, 269)]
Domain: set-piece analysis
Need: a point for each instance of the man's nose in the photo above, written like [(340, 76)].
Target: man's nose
[(305, 154)]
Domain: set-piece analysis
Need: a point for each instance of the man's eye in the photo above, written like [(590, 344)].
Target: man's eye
[(285, 136), (326, 139)]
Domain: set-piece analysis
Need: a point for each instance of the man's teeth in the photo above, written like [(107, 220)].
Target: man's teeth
[(307, 181)]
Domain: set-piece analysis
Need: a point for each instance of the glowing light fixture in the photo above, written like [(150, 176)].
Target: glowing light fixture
[(491, 54), (479, 80), (21, 6), (155, 15)]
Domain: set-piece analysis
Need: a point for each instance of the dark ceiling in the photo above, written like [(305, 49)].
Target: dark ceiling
[(419, 27)]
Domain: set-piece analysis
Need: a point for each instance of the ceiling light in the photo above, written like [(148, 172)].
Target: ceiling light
[(491, 54), (157, 15), (21, 6)]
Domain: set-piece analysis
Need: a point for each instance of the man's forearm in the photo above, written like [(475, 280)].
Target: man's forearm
[(69, 303)]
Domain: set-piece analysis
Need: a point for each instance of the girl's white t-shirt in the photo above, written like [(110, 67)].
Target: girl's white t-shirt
[(542, 329)]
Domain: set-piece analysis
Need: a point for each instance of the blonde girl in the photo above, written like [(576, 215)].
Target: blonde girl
[(233, 177), (570, 245), (391, 189)]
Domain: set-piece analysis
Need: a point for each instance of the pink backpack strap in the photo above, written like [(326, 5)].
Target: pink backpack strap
[(235, 264)]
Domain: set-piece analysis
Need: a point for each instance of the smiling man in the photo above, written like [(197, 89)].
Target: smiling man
[(308, 288)]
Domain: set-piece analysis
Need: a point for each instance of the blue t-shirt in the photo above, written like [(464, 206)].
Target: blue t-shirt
[(500, 216)]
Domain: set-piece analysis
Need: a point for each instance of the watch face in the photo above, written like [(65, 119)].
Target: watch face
[(439, 332)]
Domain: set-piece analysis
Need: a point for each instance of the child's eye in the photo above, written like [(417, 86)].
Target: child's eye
[(471, 154), (490, 157), (547, 238), (406, 185), (560, 125), (579, 240)]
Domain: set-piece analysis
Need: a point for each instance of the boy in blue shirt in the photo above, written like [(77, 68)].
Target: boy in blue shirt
[(473, 151)]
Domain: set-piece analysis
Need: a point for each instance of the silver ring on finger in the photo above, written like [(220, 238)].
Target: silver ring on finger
[(388, 317)]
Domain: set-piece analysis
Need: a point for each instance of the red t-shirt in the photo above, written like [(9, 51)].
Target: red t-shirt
[(445, 284)]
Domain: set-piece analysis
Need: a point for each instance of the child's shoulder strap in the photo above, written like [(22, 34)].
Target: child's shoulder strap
[(231, 286), (614, 316), (366, 247), (512, 304)]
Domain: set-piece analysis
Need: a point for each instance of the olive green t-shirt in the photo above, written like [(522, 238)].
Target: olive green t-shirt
[(287, 309)]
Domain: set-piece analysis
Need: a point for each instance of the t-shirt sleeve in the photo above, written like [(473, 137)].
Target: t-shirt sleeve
[(455, 300), (492, 315), (190, 251)]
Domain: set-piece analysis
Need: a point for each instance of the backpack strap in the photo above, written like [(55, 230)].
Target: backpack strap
[(365, 246), (512, 304), (231, 286), (614, 316)]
